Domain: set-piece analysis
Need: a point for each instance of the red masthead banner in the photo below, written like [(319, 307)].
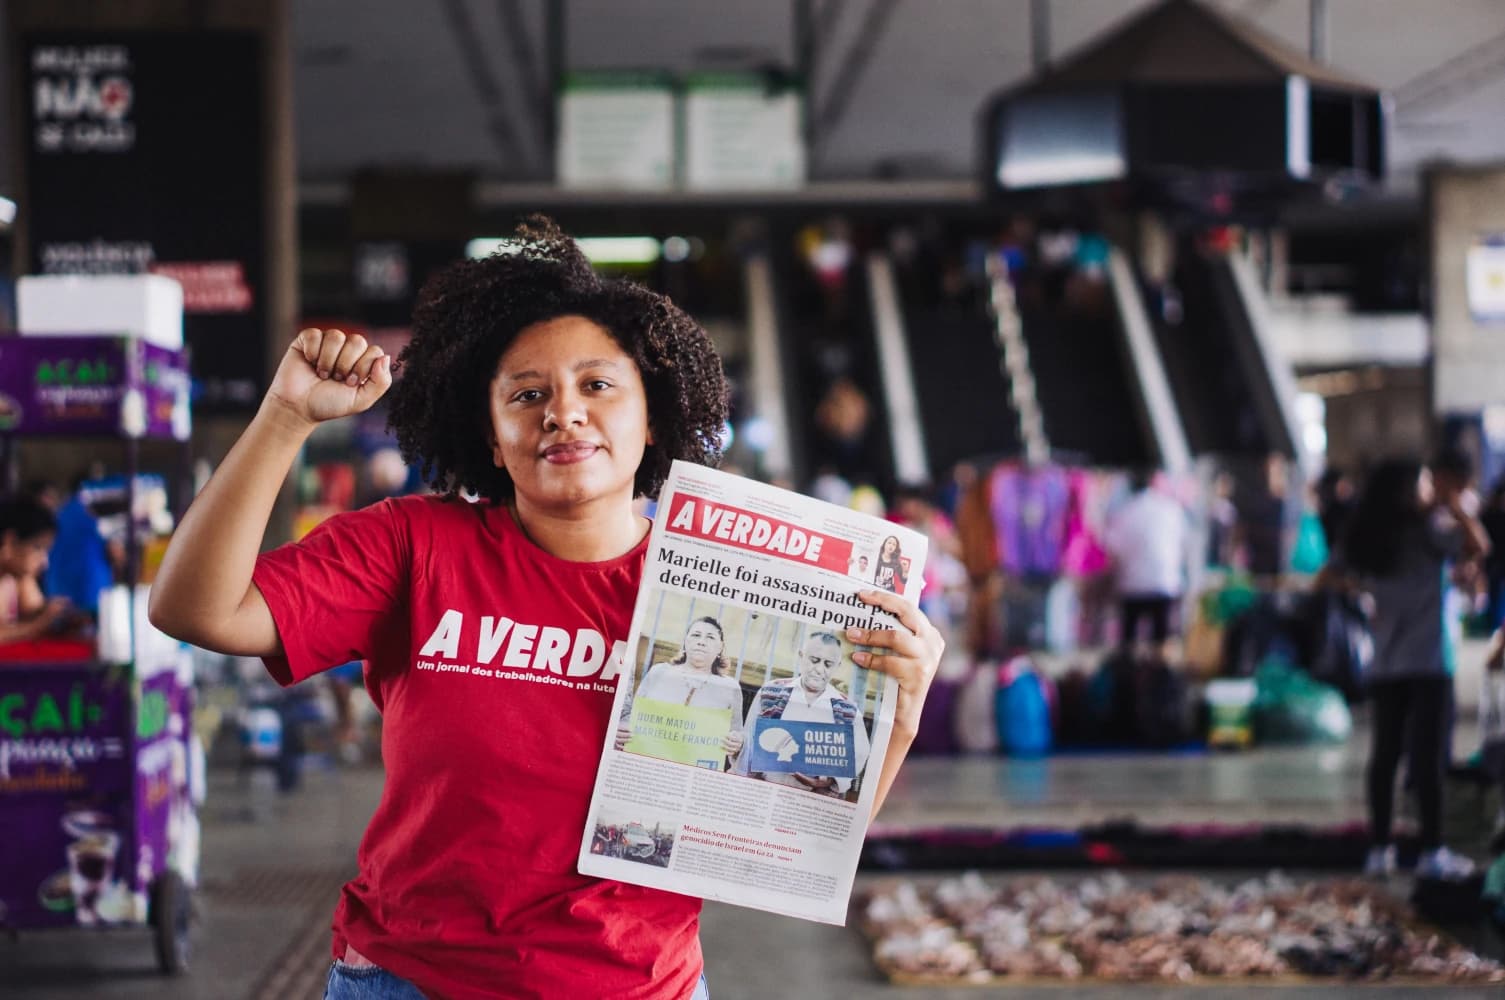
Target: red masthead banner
[(700, 518)]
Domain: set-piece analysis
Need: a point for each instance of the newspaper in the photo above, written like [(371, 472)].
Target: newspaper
[(748, 743)]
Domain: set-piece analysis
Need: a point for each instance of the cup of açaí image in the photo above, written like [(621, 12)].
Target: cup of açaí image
[(91, 867)]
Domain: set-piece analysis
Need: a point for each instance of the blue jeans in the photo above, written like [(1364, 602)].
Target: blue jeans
[(372, 982), (367, 982)]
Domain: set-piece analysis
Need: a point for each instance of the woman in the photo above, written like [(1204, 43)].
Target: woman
[(27, 529), (1401, 539), (891, 574), (694, 678), (553, 397)]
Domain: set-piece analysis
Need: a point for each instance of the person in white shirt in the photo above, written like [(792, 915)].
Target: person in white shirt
[(1147, 539), (809, 696)]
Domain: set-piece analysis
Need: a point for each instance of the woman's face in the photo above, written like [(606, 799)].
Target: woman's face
[(569, 415), (702, 645), (890, 547), (24, 557)]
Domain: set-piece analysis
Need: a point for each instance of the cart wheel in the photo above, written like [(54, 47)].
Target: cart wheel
[(170, 910)]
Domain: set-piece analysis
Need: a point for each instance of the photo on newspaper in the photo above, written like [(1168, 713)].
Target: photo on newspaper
[(746, 737)]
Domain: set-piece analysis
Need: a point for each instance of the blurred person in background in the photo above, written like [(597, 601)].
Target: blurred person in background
[(1453, 475), (1335, 501), (1222, 522), (1265, 522), (843, 421), (1492, 516), (45, 493), (81, 563), (1146, 539), (27, 529), (1399, 550)]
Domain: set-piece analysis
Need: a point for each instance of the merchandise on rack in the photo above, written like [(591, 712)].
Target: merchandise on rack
[(1180, 929)]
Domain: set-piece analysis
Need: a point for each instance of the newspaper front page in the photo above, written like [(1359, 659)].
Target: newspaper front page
[(748, 743)]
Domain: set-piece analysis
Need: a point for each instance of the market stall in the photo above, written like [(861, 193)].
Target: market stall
[(99, 770)]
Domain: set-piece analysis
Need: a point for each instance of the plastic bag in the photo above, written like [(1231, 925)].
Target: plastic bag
[(1340, 645), (1023, 715), (1310, 552), (1291, 707), (1232, 600), (974, 715)]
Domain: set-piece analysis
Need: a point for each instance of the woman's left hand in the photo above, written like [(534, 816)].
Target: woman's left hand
[(731, 743), (910, 654)]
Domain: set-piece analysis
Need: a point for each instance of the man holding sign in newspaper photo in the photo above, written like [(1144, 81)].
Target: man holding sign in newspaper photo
[(803, 732)]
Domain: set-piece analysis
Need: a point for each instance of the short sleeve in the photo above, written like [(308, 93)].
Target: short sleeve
[(331, 593)]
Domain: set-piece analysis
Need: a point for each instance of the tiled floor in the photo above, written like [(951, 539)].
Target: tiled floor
[(257, 937)]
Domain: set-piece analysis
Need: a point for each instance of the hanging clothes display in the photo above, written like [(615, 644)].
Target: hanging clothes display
[(1029, 508), (1087, 514)]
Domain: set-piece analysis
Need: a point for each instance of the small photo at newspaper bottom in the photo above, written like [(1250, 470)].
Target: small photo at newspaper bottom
[(752, 693), (630, 833)]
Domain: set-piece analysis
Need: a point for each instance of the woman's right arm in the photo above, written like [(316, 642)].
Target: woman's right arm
[(1475, 538), (203, 593), (37, 625)]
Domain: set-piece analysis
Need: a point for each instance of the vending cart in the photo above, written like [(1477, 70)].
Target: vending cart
[(99, 769)]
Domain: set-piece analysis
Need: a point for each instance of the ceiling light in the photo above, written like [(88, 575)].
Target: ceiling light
[(597, 249)]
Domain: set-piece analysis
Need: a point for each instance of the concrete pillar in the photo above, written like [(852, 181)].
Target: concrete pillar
[(1466, 232)]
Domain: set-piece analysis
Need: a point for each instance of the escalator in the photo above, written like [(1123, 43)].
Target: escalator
[(825, 337), (961, 390), (1086, 386), (1222, 384)]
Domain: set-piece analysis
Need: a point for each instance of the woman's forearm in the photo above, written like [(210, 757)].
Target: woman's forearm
[(22, 631), (203, 592), (898, 749), (1475, 538)]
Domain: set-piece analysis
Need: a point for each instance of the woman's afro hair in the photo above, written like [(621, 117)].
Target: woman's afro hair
[(470, 313)]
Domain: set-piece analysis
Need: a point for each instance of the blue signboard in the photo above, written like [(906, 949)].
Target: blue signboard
[(815, 749)]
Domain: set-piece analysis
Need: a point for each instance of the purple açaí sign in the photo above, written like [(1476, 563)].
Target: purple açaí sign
[(91, 385), (161, 770), (66, 783)]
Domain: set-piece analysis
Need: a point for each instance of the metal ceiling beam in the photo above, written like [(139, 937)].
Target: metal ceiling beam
[(1467, 70), (839, 98), (806, 26), (1039, 34), (554, 65), (826, 19), (536, 100), (488, 90), (1317, 12)]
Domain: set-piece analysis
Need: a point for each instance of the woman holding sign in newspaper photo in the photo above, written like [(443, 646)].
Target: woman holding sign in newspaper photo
[(693, 679), (495, 630)]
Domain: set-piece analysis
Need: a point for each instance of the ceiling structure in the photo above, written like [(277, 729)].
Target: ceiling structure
[(896, 84)]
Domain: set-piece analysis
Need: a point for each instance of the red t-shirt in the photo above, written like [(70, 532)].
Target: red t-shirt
[(493, 664)]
